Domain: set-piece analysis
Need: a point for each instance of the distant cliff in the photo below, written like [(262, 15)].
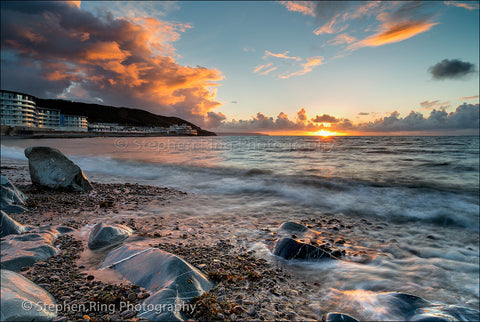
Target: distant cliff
[(96, 113)]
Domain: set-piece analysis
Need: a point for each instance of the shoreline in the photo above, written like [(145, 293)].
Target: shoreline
[(247, 287)]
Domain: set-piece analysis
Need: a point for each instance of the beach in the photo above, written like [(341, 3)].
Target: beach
[(225, 221)]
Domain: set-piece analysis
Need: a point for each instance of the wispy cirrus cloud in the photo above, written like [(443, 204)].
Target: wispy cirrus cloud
[(394, 21), (69, 52), (304, 7), (469, 97), (280, 55), (307, 67), (342, 39), (430, 105), (471, 5)]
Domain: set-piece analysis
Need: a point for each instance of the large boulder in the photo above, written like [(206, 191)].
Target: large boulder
[(289, 248), (102, 236), (51, 168), (9, 226), (12, 199), (22, 300), (20, 251), (172, 281)]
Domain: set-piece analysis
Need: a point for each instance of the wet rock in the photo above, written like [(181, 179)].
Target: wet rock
[(338, 317), (289, 248), (22, 300), (169, 278), (442, 313), (12, 199), (51, 168), (20, 251), (293, 227), (104, 236), (9, 226)]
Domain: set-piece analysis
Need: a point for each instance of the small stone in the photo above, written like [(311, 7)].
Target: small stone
[(238, 310), (86, 317), (90, 277), (132, 296), (59, 319)]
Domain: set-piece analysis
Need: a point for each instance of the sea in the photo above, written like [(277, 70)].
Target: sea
[(418, 194)]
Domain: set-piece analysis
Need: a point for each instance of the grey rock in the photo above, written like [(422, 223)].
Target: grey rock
[(52, 169), (293, 227), (102, 236), (289, 248), (20, 251), (12, 199), (170, 279), (338, 317), (440, 313), (22, 300), (9, 226)]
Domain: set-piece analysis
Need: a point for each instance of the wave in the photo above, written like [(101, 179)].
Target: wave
[(394, 201)]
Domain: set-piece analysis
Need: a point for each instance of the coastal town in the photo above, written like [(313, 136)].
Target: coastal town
[(20, 113)]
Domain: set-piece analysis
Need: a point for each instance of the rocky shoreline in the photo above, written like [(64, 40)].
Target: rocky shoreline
[(147, 267)]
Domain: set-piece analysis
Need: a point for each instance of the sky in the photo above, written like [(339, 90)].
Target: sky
[(276, 67)]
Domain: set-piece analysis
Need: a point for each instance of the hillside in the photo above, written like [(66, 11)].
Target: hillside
[(96, 113)]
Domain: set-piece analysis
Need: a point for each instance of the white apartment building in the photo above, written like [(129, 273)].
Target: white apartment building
[(18, 109)]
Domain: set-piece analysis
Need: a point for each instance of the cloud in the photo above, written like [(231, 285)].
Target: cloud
[(214, 119), (306, 67), (304, 7), (465, 116), (468, 6), (394, 32), (325, 118), (342, 39), (363, 113), (281, 55), (453, 69), (395, 21), (468, 97), (64, 51), (429, 105), (260, 67)]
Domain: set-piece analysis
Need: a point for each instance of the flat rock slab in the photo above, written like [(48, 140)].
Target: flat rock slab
[(22, 300), (102, 236), (20, 251), (12, 199), (289, 248), (172, 281), (9, 226), (52, 169)]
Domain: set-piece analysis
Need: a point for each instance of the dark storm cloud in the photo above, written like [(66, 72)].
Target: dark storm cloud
[(453, 69), (55, 49)]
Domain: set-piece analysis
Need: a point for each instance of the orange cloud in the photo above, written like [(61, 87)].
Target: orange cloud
[(281, 55), (260, 67), (120, 61), (342, 39), (306, 67), (394, 32), (468, 6), (329, 27), (468, 97), (304, 7)]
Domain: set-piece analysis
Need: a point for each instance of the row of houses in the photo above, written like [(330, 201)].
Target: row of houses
[(21, 110)]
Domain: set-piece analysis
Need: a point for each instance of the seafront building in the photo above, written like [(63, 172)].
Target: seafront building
[(21, 110)]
